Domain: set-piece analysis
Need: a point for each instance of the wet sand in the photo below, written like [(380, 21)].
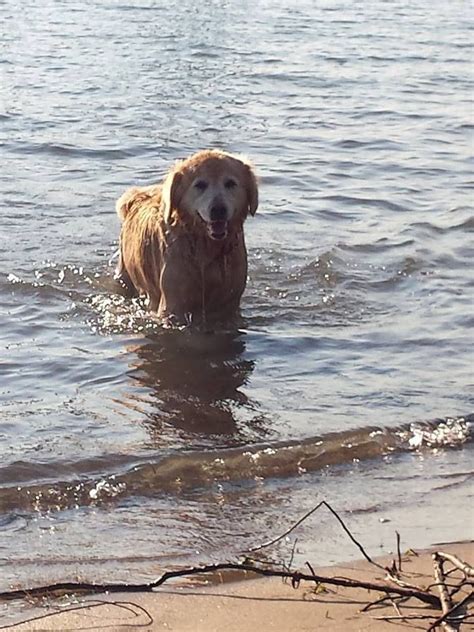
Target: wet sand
[(257, 604)]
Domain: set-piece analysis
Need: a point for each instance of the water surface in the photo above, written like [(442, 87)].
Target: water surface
[(125, 449)]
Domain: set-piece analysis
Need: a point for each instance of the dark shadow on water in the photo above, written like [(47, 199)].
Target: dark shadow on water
[(196, 381)]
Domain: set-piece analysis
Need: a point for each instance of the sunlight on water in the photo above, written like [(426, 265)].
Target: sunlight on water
[(106, 488), (452, 432), (356, 319), (117, 314), (55, 275), (180, 472)]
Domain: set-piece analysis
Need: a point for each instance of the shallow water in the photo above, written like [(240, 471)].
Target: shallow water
[(126, 449)]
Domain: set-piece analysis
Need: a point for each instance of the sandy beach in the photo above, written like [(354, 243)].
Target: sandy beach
[(258, 604)]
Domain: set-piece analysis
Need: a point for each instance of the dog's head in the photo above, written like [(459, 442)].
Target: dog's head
[(213, 188)]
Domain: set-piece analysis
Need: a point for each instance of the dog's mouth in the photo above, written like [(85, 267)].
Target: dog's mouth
[(217, 230)]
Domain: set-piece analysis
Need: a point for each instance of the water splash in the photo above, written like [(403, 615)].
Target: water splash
[(113, 313), (450, 432)]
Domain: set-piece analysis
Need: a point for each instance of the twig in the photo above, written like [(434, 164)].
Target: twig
[(90, 605), (295, 576), (292, 556), (403, 584), (458, 588), (318, 584), (310, 568), (446, 603), (399, 553), (288, 531), (464, 602), (467, 569), (370, 605), (323, 503), (395, 607), (406, 617)]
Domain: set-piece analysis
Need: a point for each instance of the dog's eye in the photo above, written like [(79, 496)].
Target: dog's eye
[(230, 183), (201, 185)]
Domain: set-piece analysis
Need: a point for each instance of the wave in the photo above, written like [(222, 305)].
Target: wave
[(89, 484), (68, 150)]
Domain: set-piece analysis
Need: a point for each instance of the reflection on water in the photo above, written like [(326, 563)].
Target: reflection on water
[(195, 380)]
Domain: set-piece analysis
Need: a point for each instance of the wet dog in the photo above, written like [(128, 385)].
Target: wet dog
[(182, 242)]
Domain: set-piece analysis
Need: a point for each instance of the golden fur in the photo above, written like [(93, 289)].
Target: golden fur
[(182, 242)]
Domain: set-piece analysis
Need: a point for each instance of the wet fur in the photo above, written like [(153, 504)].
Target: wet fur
[(167, 251)]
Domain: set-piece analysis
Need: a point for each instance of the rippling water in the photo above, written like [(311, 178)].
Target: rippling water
[(125, 449)]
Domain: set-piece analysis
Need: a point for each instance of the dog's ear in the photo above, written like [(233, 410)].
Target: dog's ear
[(252, 188), (171, 193)]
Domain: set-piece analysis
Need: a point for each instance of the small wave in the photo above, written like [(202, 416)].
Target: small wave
[(331, 289), (367, 202), (451, 432), (465, 225), (179, 472), (383, 143), (382, 245), (63, 149)]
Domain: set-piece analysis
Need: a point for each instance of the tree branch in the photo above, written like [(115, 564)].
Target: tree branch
[(295, 577), (446, 603)]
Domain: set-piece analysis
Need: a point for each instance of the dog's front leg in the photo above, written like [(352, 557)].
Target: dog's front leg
[(122, 276), (177, 291)]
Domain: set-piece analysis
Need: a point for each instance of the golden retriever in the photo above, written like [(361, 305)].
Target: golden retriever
[(182, 242)]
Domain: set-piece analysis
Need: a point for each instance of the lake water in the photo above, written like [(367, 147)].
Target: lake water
[(126, 450)]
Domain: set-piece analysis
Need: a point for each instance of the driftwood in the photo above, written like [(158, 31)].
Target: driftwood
[(296, 578), (459, 606), (394, 588), (456, 562), (444, 596)]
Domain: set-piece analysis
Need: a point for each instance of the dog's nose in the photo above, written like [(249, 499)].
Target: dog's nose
[(218, 213)]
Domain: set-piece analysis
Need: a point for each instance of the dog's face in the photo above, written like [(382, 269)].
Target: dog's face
[(214, 188)]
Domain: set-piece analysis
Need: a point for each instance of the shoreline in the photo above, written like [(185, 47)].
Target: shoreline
[(246, 605)]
